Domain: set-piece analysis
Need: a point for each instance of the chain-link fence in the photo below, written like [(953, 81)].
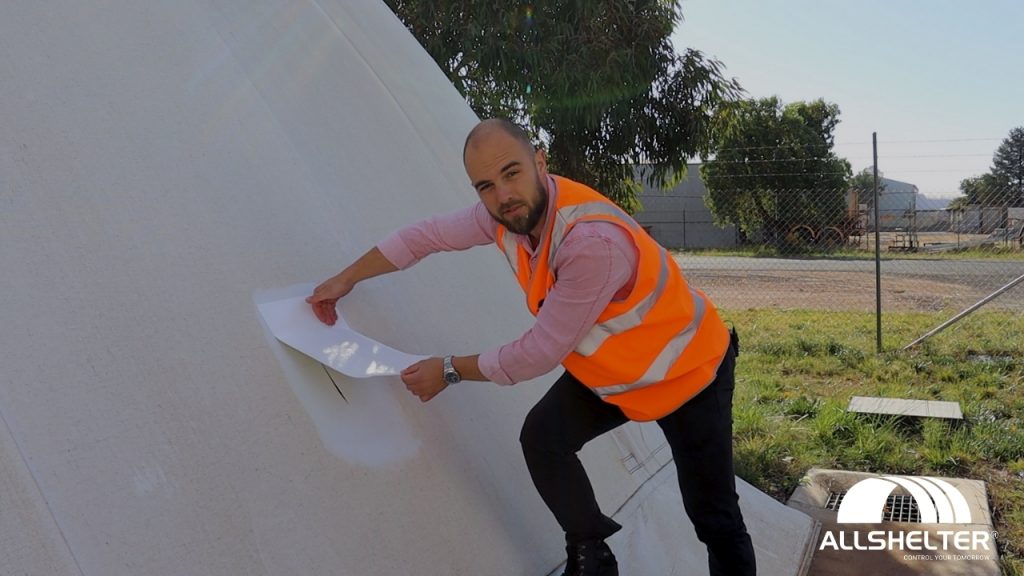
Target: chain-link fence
[(816, 249)]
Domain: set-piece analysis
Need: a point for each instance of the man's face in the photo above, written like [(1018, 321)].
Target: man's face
[(509, 179)]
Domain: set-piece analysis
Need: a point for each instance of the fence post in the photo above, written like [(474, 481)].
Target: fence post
[(684, 230), (878, 249)]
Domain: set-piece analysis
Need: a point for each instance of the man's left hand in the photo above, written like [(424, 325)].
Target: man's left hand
[(425, 378)]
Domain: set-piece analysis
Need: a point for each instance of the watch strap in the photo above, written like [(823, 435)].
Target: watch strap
[(450, 371)]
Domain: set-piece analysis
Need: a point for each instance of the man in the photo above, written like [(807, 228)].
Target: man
[(612, 307)]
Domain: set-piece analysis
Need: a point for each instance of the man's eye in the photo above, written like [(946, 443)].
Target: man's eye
[(512, 173)]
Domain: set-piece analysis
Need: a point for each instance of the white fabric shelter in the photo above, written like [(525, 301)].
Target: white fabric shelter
[(166, 164)]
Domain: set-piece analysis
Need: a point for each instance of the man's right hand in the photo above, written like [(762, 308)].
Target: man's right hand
[(325, 297)]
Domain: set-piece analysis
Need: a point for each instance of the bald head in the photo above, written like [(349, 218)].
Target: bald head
[(492, 126), (508, 174)]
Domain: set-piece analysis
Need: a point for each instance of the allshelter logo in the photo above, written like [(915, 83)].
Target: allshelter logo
[(938, 502)]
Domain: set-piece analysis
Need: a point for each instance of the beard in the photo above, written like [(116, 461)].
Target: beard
[(527, 222)]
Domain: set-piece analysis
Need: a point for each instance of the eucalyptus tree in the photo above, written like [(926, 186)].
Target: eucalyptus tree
[(773, 167), (597, 82)]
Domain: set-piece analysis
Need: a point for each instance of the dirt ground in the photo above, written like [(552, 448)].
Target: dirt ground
[(839, 291)]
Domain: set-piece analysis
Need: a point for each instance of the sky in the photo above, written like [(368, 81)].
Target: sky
[(940, 81)]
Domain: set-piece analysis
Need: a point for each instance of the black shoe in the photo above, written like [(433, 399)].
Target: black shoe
[(590, 558)]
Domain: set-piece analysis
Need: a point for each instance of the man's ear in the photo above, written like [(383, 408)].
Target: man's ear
[(541, 160)]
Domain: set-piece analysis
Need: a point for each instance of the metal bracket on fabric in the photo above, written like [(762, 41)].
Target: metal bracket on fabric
[(328, 372)]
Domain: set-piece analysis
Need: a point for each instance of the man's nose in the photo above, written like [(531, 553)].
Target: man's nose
[(503, 192)]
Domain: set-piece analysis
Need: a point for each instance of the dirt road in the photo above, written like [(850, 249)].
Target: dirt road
[(742, 283)]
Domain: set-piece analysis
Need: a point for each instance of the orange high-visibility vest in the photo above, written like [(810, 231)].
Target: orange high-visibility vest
[(652, 351)]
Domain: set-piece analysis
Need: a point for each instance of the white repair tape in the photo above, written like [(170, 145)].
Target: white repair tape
[(291, 320)]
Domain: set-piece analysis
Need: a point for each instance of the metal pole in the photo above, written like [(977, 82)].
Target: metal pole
[(959, 224), (878, 251), (957, 318), (684, 229)]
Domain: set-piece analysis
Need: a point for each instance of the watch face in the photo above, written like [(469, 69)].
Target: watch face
[(452, 377)]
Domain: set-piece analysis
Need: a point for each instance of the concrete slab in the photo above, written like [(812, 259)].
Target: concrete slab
[(904, 407), (655, 542)]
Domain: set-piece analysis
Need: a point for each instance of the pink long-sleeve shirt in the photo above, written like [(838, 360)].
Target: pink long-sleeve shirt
[(595, 265)]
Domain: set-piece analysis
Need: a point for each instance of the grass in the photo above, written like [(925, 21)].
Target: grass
[(798, 370)]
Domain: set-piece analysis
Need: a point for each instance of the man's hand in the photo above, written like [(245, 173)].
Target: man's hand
[(325, 297), (425, 378)]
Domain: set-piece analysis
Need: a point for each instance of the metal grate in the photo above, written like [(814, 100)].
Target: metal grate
[(834, 500), (898, 508)]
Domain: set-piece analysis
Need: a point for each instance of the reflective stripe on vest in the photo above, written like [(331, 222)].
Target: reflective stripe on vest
[(629, 319), (669, 354), (511, 250), (570, 214)]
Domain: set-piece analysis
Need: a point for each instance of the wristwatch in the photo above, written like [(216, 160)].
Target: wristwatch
[(451, 375)]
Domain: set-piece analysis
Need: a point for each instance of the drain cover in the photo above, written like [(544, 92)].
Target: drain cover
[(898, 508)]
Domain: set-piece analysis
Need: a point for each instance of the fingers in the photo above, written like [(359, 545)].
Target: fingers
[(324, 299), (328, 309), (331, 289), (325, 311), (427, 396), (322, 293), (323, 305), (319, 294), (417, 380), (431, 395)]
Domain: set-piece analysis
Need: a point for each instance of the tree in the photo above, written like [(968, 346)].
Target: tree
[(1008, 168), (958, 204), (597, 82), (984, 190), (774, 167), (863, 185), (1003, 184)]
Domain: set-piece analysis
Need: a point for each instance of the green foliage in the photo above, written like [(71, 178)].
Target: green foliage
[(597, 82), (864, 183), (802, 407), (1003, 184), (984, 190), (774, 167), (1008, 167)]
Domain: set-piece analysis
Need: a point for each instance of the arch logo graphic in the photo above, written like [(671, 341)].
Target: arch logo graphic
[(938, 501)]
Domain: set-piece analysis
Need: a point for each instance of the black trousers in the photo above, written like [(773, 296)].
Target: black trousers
[(700, 435)]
